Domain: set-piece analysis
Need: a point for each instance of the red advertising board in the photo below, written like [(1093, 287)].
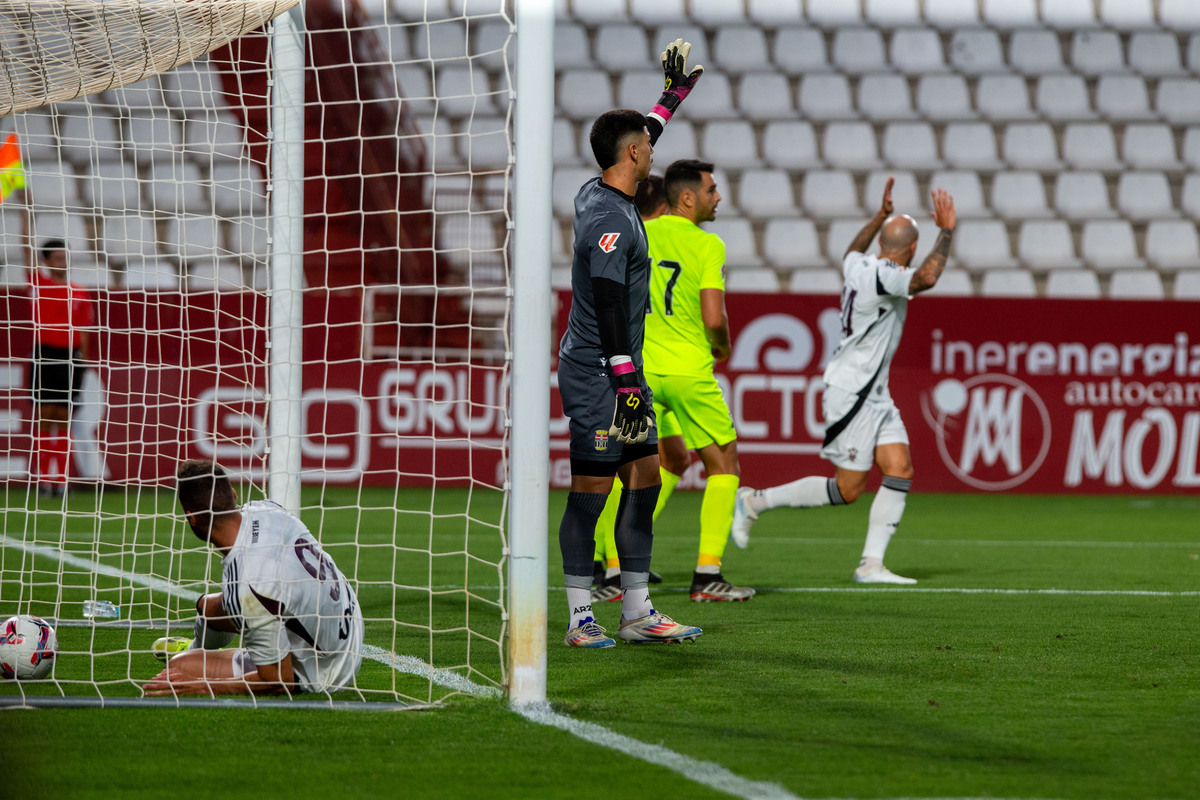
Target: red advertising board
[(997, 395)]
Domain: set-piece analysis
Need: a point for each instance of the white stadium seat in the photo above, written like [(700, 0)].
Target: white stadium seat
[(1069, 15), (771, 13), (905, 195), (236, 188), (565, 152), (1003, 98), (464, 91), (1172, 244), (113, 186), (717, 13), (850, 145), (1187, 286), (1143, 196), (678, 141), (217, 134), (125, 237), (916, 51), (976, 51), (830, 193), (1108, 245), (190, 238), (215, 275), (1178, 100), (1031, 145), (954, 283), (766, 193), (740, 250), (1136, 284), (952, 14), (484, 144), (815, 281), (752, 280), (693, 34), (790, 144), (572, 50), (489, 39), (714, 101), (833, 13), (564, 187), (884, 96), (1036, 52), (1090, 145), (944, 97), (825, 97), (893, 13), (1008, 283), (443, 39), (1155, 54), (839, 236), (1190, 202), (858, 50), (622, 46), (1151, 146), (964, 186), (911, 145), (1019, 195), (151, 275), (741, 48), (1180, 15), (970, 145), (1063, 97), (657, 12), (50, 185), (247, 238), (1010, 13), (1046, 244), (765, 96), (729, 143), (585, 94), (799, 51), (1097, 52), (789, 243), (1127, 14), (1072, 284), (86, 137), (1082, 195), (1123, 97), (416, 87), (982, 245)]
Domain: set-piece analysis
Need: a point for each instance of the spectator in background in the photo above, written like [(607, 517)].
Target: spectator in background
[(63, 317)]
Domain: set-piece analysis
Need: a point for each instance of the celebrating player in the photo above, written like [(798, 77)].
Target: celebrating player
[(862, 424), (687, 330), (600, 376), (63, 315), (301, 626)]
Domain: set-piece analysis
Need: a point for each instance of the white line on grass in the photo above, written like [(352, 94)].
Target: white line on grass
[(981, 542), (95, 566), (937, 590)]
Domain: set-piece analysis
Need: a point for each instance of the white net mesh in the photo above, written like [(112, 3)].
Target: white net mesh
[(162, 192)]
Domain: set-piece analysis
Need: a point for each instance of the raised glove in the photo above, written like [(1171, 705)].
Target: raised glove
[(678, 82)]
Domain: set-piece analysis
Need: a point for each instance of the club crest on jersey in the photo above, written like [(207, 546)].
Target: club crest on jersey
[(608, 242), (601, 442)]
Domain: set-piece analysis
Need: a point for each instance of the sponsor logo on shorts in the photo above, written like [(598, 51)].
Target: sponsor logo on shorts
[(601, 442), (608, 242)]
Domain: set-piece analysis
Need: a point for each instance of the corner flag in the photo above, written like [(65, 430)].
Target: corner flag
[(12, 173)]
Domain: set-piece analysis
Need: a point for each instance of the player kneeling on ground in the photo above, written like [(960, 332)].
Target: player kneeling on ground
[(301, 626)]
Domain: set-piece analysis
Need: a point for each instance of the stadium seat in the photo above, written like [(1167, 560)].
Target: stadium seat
[(464, 91), (151, 275), (964, 186), (657, 12), (1187, 286), (1082, 195), (970, 145), (893, 13), (944, 97), (597, 12), (441, 39), (815, 281), (113, 186), (86, 138), (740, 250), (679, 141), (572, 49), (1155, 54), (718, 13), (833, 13), (825, 97), (905, 195), (765, 96), (791, 145), (751, 280), (448, 193), (1180, 15), (1123, 97), (1007, 14), (1136, 284), (194, 86), (566, 154), (982, 245), (771, 13), (1090, 145), (418, 12), (13, 248), (1191, 147), (484, 144), (585, 94), (1127, 14), (1072, 283), (1003, 98), (1143, 196), (152, 137), (560, 278), (191, 238), (1108, 245), (215, 275), (236, 188), (916, 51), (1190, 203), (1036, 52), (415, 83), (220, 134), (1069, 15), (36, 131), (144, 95), (850, 145), (247, 237), (951, 14), (693, 34), (490, 39), (858, 50), (72, 228), (766, 193), (621, 46), (714, 102), (884, 97), (789, 243), (976, 51), (1062, 98), (730, 144), (1008, 283), (1046, 245), (1172, 244), (911, 145), (839, 237), (565, 185), (1151, 146), (438, 140), (830, 193), (1019, 195), (51, 185), (954, 283), (799, 51), (1177, 100), (125, 237), (1096, 52), (741, 48)]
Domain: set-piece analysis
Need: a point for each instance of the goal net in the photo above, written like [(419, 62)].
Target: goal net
[(167, 193)]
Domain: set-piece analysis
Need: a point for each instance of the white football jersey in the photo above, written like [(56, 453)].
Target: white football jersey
[(874, 305), (286, 595)]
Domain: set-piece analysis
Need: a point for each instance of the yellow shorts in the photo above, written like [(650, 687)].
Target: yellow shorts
[(693, 407)]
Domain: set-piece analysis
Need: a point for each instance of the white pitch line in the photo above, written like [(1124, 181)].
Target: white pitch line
[(983, 542)]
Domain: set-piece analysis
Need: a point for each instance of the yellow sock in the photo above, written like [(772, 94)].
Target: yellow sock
[(716, 517), (669, 481), (606, 528)]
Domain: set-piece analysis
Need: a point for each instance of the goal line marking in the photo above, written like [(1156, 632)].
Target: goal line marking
[(983, 542)]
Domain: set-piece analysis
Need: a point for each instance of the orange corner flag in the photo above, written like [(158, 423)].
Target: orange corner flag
[(12, 173)]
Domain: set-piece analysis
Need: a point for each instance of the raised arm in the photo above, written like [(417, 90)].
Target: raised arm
[(926, 277), (677, 84), (863, 240)]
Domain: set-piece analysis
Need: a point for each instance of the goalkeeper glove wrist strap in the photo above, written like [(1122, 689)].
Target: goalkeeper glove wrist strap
[(624, 371)]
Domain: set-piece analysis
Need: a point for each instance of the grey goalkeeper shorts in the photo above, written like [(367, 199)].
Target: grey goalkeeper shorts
[(588, 400)]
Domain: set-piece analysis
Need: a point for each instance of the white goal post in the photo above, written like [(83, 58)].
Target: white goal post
[(314, 271)]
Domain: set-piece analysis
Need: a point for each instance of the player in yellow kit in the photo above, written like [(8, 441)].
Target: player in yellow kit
[(687, 331)]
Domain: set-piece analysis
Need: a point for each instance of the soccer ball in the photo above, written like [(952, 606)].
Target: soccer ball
[(27, 648)]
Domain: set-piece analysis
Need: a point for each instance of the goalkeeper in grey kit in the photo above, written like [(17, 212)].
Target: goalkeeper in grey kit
[(600, 370)]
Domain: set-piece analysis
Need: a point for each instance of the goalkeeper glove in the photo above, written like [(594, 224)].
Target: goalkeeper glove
[(678, 81), (631, 415)]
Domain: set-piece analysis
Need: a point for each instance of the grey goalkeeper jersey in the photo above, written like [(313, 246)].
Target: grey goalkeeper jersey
[(610, 242)]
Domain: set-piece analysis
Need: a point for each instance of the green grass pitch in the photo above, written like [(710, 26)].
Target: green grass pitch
[(978, 684)]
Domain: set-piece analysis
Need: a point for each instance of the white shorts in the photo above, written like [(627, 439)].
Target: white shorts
[(852, 445)]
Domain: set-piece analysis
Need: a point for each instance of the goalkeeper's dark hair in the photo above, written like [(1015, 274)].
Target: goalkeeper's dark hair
[(650, 196), (609, 132), (204, 490), (51, 246), (683, 174)]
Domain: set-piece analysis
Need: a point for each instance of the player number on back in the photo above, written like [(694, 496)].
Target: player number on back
[(668, 295)]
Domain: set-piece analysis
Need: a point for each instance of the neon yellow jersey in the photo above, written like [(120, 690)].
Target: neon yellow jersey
[(683, 260)]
